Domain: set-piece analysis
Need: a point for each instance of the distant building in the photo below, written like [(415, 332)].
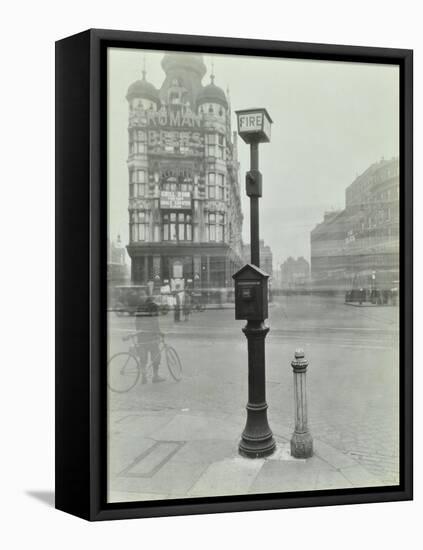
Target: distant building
[(185, 216), (117, 268), (266, 256), (363, 238), (294, 274), (276, 276)]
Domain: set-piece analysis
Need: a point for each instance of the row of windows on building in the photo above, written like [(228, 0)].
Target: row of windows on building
[(212, 109), (212, 138), (206, 108), (388, 195), (365, 185), (140, 148), (175, 226), (367, 199), (380, 218), (382, 175), (215, 144), (212, 270), (145, 104), (215, 188)]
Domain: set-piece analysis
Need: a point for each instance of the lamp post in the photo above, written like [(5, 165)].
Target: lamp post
[(251, 295)]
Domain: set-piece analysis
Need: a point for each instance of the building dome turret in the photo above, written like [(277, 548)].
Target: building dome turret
[(212, 94), (184, 73), (184, 62), (143, 89)]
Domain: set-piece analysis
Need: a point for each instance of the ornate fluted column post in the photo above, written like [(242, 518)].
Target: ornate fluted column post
[(301, 441)]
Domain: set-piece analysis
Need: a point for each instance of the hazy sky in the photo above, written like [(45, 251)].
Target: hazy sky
[(330, 122)]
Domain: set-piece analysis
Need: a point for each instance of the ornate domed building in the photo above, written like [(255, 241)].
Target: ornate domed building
[(212, 96), (184, 197), (184, 73), (142, 94)]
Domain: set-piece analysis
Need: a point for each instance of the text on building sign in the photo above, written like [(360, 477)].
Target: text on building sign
[(175, 200)]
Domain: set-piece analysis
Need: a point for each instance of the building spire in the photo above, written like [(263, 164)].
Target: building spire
[(144, 72), (212, 73)]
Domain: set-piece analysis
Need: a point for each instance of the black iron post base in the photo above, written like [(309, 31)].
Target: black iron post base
[(257, 438)]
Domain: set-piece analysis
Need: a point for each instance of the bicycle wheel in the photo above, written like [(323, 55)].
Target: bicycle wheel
[(174, 364), (123, 372)]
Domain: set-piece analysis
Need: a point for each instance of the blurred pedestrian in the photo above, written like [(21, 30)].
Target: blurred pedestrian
[(148, 338), (177, 310), (187, 305)]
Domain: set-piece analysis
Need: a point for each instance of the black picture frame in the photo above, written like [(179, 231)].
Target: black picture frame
[(81, 293)]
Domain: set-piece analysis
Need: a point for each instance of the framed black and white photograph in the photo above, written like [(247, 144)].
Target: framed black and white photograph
[(234, 274)]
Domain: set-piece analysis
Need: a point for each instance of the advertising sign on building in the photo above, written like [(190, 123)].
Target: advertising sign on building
[(175, 200), (173, 118)]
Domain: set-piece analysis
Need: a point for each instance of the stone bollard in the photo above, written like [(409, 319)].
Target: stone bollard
[(301, 440)]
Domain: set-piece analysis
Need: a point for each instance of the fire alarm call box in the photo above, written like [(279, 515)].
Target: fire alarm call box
[(251, 302)]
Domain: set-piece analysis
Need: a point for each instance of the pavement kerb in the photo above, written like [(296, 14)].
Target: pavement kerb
[(338, 460), (232, 468)]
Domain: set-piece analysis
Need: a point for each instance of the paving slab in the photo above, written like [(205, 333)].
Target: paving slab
[(332, 456), (191, 427), (285, 475), (233, 476), (123, 450), (282, 452), (149, 462), (360, 477), (140, 425), (207, 451), (283, 433), (331, 479), (173, 480)]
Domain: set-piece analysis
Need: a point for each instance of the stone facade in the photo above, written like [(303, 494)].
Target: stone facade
[(185, 218), (361, 241)]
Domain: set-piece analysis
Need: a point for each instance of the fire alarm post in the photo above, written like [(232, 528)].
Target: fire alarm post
[(251, 296)]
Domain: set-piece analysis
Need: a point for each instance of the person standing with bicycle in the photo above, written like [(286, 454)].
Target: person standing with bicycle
[(148, 339)]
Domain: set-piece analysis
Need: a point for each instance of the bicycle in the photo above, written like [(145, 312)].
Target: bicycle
[(124, 368)]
